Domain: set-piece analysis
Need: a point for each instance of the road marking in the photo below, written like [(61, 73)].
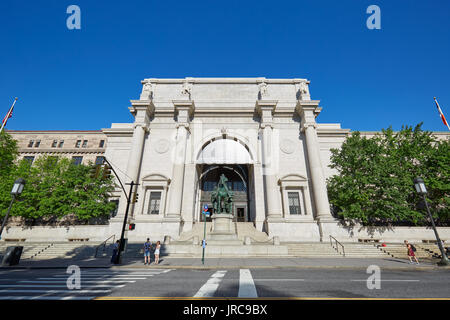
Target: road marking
[(84, 281), (56, 286), (99, 278), (210, 287), (45, 298), (54, 291), (388, 280), (247, 287), (278, 279)]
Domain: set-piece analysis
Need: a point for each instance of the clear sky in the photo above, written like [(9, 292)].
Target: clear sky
[(84, 79)]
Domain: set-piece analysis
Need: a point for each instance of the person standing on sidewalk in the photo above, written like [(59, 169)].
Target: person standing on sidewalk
[(115, 251), (157, 248), (147, 248), (411, 252)]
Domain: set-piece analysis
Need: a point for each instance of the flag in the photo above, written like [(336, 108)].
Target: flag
[(8, 115), (441, 113)]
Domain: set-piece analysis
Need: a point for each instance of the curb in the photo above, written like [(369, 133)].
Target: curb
[(214, 267)]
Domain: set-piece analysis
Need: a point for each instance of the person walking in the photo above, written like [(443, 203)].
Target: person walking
[(411, 252), (115, 251), (157, 249), (147, 248)]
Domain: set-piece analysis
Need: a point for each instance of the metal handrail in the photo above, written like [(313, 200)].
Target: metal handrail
[(337, 242), (104, 244)]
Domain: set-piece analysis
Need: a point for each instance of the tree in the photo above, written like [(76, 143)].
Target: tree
[(8, 153), (56, 187), (374, 181)]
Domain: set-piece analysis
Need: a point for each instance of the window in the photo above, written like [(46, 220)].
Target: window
[(116, 209), (84, 144), (30, 144), (294, 203), (54, 143), (77, 160), (101, 144), (29, 158), (61, 143), (77, 145), (37, 144), (155, 200), (209, 185), (238, 186), (99, 160)]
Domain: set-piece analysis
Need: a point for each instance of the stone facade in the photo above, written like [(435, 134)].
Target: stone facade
[(86, 145), (262, 133)]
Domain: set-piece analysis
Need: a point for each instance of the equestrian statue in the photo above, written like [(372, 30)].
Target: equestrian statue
[(222, 197)]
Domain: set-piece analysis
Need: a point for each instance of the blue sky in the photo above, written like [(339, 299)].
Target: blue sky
[(84, 79)]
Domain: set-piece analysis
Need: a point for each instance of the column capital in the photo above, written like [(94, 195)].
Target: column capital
[(306, 125), (308, 105), (266, 109), (308, 112), (142, 111), (143, 126), (183, 110)]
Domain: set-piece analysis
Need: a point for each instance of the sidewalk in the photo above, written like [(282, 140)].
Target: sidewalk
[(233, 263)]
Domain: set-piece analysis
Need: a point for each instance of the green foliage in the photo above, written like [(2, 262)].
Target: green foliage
[(8, 153), (374, 184), (55, 187)]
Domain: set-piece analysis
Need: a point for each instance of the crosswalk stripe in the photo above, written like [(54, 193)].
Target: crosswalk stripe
[(115, 278), (45, 298), (55, 286), (54, 291), (210, 287), (83, 281), (92, 282), (247, 287)]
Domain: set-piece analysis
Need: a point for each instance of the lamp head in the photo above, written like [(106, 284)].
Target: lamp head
[(419, 184)]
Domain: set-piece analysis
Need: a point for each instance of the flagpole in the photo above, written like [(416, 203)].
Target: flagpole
[(441, 113), (8, 114)]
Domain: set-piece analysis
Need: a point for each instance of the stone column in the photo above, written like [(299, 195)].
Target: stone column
[(269, 161), (142, 111), (183, 109), (308, 111)]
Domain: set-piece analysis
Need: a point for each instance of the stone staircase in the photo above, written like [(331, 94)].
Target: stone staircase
[(243, 229), (398, 250), (311, 250), (53, 250), (325, 250)]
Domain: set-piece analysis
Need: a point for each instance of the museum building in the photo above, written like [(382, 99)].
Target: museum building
[(261, 134)]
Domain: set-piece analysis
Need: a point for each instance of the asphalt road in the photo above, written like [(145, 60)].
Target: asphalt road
[(105, 283)]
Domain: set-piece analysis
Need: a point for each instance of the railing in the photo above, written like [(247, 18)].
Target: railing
[(337, 243), (104, 245)]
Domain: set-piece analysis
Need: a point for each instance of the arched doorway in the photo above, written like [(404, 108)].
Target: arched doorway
[(229, 156)]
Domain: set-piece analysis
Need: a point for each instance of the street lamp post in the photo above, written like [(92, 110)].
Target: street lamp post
[(15, 192), (419, 184), (205, 211), (122, 236)]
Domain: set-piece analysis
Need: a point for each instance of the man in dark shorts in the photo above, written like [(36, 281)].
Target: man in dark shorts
[(147, 248)]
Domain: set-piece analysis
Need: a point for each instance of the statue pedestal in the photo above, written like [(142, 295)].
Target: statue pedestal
[(223, 230)]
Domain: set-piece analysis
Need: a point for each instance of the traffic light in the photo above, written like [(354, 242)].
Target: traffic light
[(131, 226), (135, 197), (106, 171), (95, 170)]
